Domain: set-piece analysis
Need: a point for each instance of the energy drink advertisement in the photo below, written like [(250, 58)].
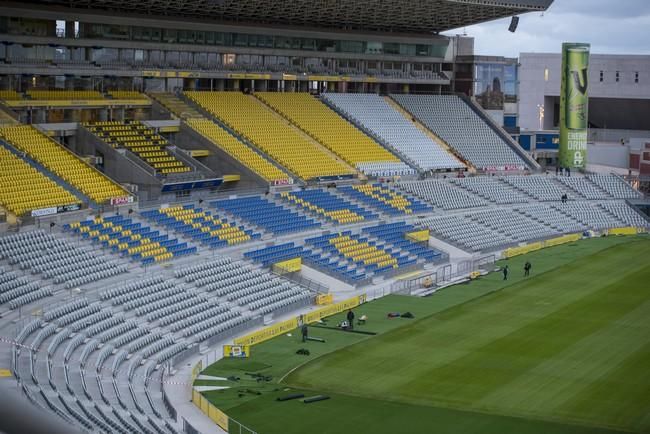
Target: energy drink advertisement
[(574, 105)]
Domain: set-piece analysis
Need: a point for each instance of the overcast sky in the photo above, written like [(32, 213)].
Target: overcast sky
[(611, 26)]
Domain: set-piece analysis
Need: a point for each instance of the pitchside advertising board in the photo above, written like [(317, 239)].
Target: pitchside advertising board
[(574, 105)]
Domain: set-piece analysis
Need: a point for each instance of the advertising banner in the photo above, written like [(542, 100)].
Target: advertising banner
[(574, 105)]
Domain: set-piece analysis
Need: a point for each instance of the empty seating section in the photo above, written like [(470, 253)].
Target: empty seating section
[(23, 188), (539, 187), (257, 290), (591, 215), (278, 253), (492, 189), (237, 149), (10, 95), (55, 259), (328, 206), (355, 257), (62, 163), (125, 94), (376, 116), (553, 217), (258, 124), (513, 224), (625, 213), (64, 94), (133, 239), (584, 187), (19, 291), (336, 133), (142, 141), (385, 199), (177, 106), (615, 186), (443, 194), (394, 234), (451, 119), (469, 234), (201, 225), (266, 215)]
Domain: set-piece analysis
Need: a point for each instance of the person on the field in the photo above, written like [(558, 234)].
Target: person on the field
[(505, 272), (527, 267), (350, 317), (305, 332)]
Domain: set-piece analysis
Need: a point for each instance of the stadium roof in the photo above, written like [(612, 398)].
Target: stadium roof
[(402, 16)]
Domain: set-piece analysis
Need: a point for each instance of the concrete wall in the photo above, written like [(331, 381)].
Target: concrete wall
[(535, 83), (610, 155)]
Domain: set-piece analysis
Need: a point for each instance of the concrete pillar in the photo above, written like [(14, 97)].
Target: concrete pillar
[(69, 29)]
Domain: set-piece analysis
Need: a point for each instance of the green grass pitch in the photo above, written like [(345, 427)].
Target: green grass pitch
[(566, 350)]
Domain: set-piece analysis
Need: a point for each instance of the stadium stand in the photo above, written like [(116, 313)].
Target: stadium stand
[(237, 149), (64, 94), (201, 225), (10, 95), (130, 238), (265, 214), (463, 231), (451, 119), (258, 124), (540, 187), (323, 204), (125, 94), (62, 163), (491, 189), (584, 187), (373, 114), (623, 212), (385, 199), (23, 188), (615, 186), (273, 254), (443, 194), (176, 106), (395, 235), (142, 141), (56, 259), (336, 133)]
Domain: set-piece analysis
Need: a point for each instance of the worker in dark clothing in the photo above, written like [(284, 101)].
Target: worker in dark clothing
[(505, 272), (305, 332), (527, 267), (350, 317)]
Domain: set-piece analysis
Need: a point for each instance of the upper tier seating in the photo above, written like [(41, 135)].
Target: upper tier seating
[(443, 194), (62, 163), (395, 235), (23, 188), (177, 106), (142, 141), (266, 130), (451, 119), (10, 95), (201, 225), (131, 238), (326, 205), (337, 134), (615, 186), (125, 94), (269, 216), (237, 149), (491, 189), (64, 94), (384, 198), (373, 114)]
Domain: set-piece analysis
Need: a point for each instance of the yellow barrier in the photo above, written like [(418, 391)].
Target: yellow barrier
[(78, 103), (216, 415), (268, 333), (196, 370), (562, 240), (333, 309), (236, 351), (522, 250), (324, 299), (625, 231)]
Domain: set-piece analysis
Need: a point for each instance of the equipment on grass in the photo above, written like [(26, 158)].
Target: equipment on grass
[(309, 338), (315, 399), (290, 397), (303, 352)]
